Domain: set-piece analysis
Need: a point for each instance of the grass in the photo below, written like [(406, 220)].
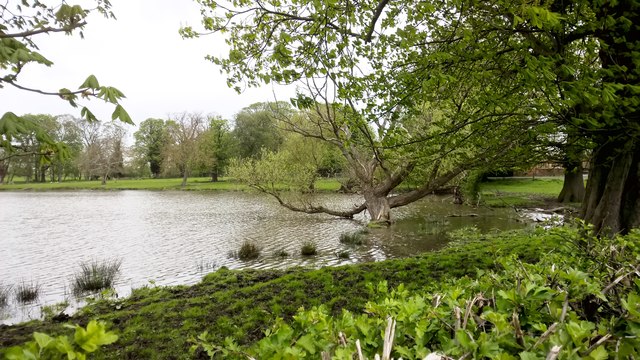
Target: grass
[(308, 248), (520, 192), (27, 292), (353, 238), (200, 183), (343, 255), (248, 251), (95, 276), (5, 292), (156, 323), (282, 253)]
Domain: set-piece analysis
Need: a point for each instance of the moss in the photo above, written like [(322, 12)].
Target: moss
[(157, 322)]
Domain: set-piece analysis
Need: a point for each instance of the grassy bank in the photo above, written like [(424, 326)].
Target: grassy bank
[(155, 323), (202, 183), (520, 192)]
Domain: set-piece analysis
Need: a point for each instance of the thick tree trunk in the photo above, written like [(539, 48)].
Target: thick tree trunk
[(378, 209), (104, 179), (573, 186), (612, 200)]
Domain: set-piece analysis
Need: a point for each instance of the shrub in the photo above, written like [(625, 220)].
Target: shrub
[(308, 248), (353, 238), (343, 255), (95, 276), (26, 293), (248, 251)]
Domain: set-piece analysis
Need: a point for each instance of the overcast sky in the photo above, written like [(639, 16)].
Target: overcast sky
[(141, 54)]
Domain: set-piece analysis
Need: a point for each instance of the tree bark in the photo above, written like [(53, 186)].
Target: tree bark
[(573, 185), (184, 179), (378, 208), (612, 200)]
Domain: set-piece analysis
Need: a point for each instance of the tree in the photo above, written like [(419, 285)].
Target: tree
[(254, 129), (572, 61), (151, 138), (214, 147), (182, 151), (22, 22), (365, 98)]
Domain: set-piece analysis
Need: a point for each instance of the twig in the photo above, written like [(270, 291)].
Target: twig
[(389, 334), (545, 335), (516, 325), (467, 312), (359, 349), (456, 312), (553, 354), (565, 307), (596, 344)]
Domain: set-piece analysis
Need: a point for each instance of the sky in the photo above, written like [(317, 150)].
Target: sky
[(141, 54)]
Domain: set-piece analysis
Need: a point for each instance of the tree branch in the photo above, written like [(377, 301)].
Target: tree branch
[(374, 20), (43, 30)]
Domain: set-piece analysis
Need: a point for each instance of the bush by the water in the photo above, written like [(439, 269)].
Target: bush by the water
[(248, 251), (308, 248), (95, 276), (282, 253), (580, 301), (27, 292)]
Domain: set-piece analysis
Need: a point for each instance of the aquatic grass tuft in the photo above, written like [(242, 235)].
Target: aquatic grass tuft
[(95, 276), (248, 251), (282, 253), (26, 293), (353, 238), (308, 248), (343, 255), (5, 291)]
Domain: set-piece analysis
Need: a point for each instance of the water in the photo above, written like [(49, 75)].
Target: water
[(169, 238)]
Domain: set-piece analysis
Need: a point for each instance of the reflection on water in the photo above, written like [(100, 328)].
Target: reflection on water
[(176, 237)]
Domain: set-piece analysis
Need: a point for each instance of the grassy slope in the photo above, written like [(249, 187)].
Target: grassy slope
[(156, 322)]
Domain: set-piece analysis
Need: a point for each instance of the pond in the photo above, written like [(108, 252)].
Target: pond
[(175, 237)]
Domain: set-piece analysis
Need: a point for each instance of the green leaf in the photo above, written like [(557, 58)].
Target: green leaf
[(306, 342), (599, 353), (42, 339), (121, 113), (91, 82)]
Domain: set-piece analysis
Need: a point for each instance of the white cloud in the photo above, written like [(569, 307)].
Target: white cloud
[(142, 54)]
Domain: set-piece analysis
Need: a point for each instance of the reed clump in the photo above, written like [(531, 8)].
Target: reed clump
[(308, 248), (249, 250), (95, 276), (27, 292)]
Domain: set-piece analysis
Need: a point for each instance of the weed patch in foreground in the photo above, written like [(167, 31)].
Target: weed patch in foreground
[(95, 276)]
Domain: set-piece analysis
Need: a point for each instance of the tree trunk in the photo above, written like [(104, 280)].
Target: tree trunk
[(214, 175), (184, 179), (378, 209), (612, 200), (104, 179), (573, 186)]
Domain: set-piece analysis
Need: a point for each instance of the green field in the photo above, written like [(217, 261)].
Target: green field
[(201, 183)]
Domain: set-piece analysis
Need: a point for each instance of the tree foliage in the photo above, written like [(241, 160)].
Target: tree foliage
[(21, 24), (493, 69)]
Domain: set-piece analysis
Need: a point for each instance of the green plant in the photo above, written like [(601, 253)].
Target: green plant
[(5, 291), (308, 248), (51, 311), (282, 253), (343, 255), (95, 276), (353, 238), (85, 341), (581, 301), (248, 251), (26, 293)]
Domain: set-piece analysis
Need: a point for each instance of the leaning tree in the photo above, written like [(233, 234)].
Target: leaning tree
[(393, 114), (501, 65)]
